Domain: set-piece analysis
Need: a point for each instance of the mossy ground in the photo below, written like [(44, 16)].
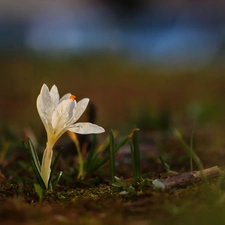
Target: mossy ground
[(124, 96)]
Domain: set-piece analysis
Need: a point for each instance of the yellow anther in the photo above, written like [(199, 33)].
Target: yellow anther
[(73, 97)]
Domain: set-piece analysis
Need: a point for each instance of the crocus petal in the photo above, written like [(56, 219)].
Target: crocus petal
[(65, 97), (63, 114), (80, 108), (54, 95), (45, 106), (86, 128)]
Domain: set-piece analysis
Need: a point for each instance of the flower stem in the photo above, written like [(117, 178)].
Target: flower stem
[(46, 164)]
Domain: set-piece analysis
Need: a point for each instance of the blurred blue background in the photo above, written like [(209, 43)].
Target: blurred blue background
[(179, 33)]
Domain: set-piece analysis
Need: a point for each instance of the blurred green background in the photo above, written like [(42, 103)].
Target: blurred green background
[(142, 63)]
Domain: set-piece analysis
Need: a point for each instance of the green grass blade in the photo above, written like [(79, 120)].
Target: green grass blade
[(118, 146), (190, 151), (57, 180), (34, 155), (96, 161), (127, 138), (112, 157), (34, 167), (122, 143), (133, 159), (91, 153), (104, 145), (39, 191), (137, 155)]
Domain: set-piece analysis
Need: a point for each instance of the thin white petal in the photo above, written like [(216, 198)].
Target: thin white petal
[(80, 108), (63, 114), (65, 97), (86, 128), (45, 105), (54, 93)]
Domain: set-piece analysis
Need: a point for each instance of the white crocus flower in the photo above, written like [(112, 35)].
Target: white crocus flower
[(59, 115)]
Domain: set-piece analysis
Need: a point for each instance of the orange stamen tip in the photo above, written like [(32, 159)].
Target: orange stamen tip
[(73, 97)]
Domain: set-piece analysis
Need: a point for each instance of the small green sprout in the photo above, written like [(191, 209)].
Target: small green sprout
[(39, 191), (123, 187)]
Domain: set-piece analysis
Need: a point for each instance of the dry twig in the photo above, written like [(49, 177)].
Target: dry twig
[(184, 179)]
